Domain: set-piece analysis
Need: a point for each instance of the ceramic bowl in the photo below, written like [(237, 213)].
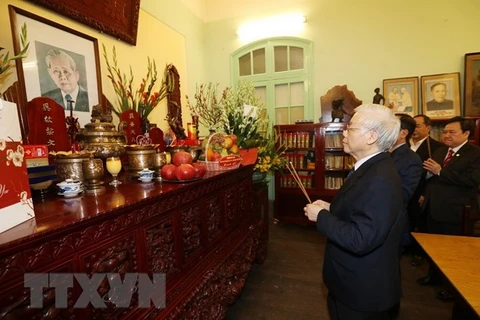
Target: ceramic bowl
[(69, 194), (70, 186), (145, 174)]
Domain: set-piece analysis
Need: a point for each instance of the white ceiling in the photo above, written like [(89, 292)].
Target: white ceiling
[(212, 10)]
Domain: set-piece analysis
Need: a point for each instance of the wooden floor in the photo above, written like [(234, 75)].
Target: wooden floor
[(289, 284)]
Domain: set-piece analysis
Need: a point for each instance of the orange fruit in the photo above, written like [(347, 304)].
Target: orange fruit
[(210, 154)]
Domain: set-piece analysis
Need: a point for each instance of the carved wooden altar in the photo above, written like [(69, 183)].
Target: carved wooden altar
[(204, 236)]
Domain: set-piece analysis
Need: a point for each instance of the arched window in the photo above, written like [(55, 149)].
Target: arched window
[(280, 69)]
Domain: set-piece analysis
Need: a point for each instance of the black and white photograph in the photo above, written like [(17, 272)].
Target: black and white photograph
[(61, 63)]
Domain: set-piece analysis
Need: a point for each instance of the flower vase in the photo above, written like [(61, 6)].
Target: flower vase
[(259, 177), (249, 156)]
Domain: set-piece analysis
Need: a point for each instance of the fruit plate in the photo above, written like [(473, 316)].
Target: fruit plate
[(182, 181)]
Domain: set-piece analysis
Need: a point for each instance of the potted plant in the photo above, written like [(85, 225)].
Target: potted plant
[(207, 107), (6, 60), (142, 100), (270, 156), (245, 116)]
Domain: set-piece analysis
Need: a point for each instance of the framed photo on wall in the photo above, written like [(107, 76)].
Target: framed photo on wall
[(441, 95), (401, 95), (472, 84), (60, 62)]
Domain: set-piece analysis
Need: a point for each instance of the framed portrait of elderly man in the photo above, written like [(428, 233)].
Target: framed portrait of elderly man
[(401, 95), (62, 64), (472, 84), (441, 95)]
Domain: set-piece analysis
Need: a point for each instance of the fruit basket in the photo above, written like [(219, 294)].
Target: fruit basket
[(220, 152)]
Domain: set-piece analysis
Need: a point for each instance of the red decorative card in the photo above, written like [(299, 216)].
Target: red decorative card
[(16, 205)]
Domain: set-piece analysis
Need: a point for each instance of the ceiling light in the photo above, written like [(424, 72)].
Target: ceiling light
[(285, 25)]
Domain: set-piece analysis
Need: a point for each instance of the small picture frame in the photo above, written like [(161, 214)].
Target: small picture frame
[(401, 95), (472, 84), (441, 95)]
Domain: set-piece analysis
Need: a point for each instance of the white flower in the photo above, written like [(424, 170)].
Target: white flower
[(20, 150), (17, 159)]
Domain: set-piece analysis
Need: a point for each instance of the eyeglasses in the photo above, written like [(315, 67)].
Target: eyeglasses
[(352, 127)]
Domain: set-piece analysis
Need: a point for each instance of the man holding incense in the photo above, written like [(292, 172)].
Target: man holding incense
[(364, 222), (424, 146)]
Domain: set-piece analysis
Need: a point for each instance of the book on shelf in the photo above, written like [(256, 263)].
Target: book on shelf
[(288, 181), (338, 162), (333, 183), (297, 140), (333, 139)]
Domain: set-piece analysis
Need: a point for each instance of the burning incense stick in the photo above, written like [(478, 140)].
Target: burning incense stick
[(428, 147), (294, 173)]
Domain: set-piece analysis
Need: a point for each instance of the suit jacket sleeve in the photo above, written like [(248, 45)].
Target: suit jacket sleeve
[(368, 227), (410, 176), (469, 177)]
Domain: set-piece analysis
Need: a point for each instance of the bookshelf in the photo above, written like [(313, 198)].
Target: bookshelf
[(316, 152)]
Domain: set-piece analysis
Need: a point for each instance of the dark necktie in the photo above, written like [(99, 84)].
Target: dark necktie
[(350, 173), (449, 157), (68, 98)]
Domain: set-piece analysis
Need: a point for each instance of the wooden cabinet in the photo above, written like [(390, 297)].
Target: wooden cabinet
[(316, 152), (204, 236)]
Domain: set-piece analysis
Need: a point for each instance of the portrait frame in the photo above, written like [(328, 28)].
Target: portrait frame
[(32, 70), (118, 19), (398, 92), (471, 96), (450, 94)]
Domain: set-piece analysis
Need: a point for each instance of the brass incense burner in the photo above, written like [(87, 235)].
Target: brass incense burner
[(69, 166), (103, 139), (139, 157)]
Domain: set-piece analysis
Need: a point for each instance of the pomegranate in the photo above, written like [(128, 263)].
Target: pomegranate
[(168, 172), (182, 157), (200, 169), (185, 171)]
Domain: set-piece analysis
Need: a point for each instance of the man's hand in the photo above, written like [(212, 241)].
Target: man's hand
[(312, 210), (323, 204), (421, 200), (431, 166)]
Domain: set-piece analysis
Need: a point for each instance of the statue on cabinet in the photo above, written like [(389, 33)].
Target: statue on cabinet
[(102, 114), (350, 102), (337, 110), (378, 98)]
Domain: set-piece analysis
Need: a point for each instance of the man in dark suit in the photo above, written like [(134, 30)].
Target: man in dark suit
[(409, 167), (424, 148), (63, 71), (453, 180), (364, 222)]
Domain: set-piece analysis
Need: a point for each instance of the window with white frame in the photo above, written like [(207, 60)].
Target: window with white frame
[(281, 71)]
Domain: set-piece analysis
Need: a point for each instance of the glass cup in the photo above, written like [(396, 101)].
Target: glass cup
[(114, 165)]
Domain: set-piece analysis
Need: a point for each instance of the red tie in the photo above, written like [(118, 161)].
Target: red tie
[(448, 158)]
